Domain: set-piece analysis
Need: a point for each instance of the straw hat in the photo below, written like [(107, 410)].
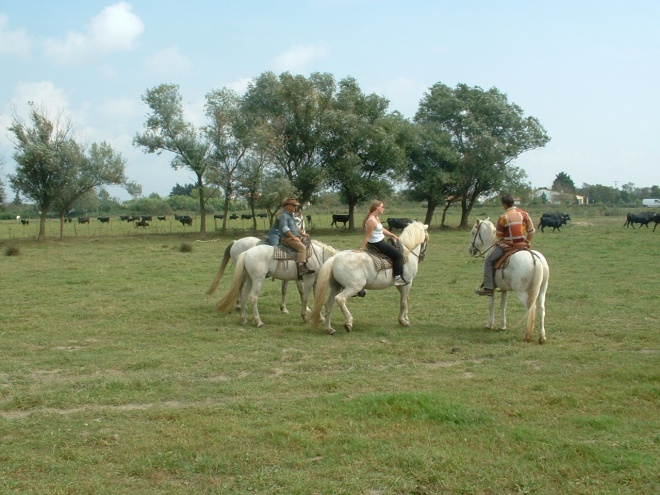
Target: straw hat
[(290, 201)]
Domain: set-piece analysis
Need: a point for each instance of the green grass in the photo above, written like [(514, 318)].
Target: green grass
[(117, 376)]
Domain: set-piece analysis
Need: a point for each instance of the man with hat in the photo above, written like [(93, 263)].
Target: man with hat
[(291, 236)]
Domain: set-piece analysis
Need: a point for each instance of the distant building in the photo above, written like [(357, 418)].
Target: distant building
[(557, 197)]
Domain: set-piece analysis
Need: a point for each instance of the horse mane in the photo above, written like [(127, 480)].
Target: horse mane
[(413, 235), (327, 248)]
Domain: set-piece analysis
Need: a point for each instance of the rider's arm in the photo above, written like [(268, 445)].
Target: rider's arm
[(368, 229)]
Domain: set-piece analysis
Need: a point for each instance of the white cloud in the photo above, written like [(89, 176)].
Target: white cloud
[(116, 28), (169, 62), (240, 86), (298, 58), (44, 95), (15, 43)]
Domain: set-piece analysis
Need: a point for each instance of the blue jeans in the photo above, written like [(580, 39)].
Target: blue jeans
[(496, 253)]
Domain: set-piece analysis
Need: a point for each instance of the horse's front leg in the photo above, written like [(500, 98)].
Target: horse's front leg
[(403, 305), (502, 310), (307, 286)]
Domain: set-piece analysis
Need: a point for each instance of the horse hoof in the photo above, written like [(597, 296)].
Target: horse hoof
[(348, 328), (284, 311), (260, 324), (331, 331)]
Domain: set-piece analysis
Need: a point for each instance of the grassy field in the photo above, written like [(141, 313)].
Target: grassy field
[(117, 375)]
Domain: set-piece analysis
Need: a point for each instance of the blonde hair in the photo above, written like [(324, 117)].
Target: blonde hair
[(372, 207)]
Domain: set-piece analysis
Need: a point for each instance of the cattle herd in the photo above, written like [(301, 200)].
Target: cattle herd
[(554, 220)]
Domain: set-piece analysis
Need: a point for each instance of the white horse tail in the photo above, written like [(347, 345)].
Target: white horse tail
[(532, 297), (221, 271), (323, 279), (227, 302)]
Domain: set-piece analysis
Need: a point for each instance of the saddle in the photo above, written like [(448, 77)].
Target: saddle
[(503, 262), (283, 252), (381, 261)]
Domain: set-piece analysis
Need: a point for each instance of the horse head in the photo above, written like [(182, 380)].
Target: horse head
[(415, 234), (482, 237)]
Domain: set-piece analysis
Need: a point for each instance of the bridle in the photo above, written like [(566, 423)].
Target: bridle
[(422, 250), (477, 252)]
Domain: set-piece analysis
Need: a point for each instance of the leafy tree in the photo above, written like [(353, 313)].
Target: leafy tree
[(286, 112), (54, 170), (487, 134), (599, 194), (233, 139), (363, 147), (3, 194), (432, 163), (180, 190), (563, 183), (167, 130)]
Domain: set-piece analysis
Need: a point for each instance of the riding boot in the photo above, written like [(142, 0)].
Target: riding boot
[(302, 270)]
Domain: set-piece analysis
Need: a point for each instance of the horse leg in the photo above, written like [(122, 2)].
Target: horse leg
[(283, 308), (503, 298), (254, 298), (341, 299), (247, 286), (328, 310), (403, 305)]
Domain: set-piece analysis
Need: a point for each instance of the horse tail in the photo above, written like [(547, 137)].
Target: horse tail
[(221, 271), (532, 297), (227, 302), (322, 282)]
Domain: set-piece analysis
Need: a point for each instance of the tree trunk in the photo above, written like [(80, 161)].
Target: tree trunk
[(202, 205), (42, 225), (62, 226), (430, 211)]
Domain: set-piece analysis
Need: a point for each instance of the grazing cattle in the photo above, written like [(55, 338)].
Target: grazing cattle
[(643, 218), (141, 223), (185, 220), (162, 219), (218, 217), (233, 216), (25, 222), (398, 223), (262, 215), (146, 218), (246, 216), (124, 218), (554, 220), (336, 219), (103, 219), (83, 219)]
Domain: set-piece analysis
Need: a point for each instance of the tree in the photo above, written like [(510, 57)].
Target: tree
[(363, 146), (487, 134), (180, 190), (3, 194), (285, 112), (563, 183), (167, 130), (54, 170), (233, 139), (432, 162)]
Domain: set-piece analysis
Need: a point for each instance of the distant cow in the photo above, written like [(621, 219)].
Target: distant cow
[(246, 216), (554, 220), (218, 217), (83, 219), (185, 220), (336, 219), (656, 219), (262, 215), (146, 218), (25, 222), (233, 216), (103, 219), (162, 219), (141, 223), (398, 223), (643, 218), (124, 218)]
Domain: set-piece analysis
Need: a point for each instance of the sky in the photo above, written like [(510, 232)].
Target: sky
[(589, 71)]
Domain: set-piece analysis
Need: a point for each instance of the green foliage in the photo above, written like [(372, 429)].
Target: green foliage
[(563, 183)]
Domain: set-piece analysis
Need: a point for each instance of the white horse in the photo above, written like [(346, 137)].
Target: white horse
[(257, 263), (233, 251), (348, 272), (526, 274)]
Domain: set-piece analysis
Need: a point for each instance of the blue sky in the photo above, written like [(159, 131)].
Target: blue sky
[(588, 70)]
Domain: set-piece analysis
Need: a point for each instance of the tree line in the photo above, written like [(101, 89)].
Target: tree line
[(296, 135)]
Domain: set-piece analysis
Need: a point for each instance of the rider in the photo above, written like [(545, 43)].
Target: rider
[(514, 229), (375, 236), (291, 236)]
